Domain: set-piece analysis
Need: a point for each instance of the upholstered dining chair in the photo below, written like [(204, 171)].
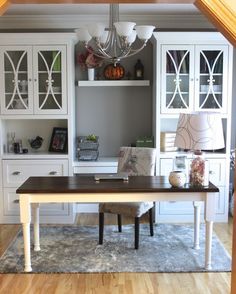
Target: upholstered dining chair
[(137, 161)]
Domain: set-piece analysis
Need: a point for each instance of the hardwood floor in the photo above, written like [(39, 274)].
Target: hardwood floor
[(112, 283)]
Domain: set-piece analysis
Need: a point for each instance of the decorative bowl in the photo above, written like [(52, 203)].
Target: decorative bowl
[(177, 178)]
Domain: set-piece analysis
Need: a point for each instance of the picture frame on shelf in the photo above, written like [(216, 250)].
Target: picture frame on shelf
[(58, 141)]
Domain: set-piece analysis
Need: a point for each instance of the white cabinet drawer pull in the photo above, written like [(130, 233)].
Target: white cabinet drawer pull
[(211, 172), (16, 173), (52, 173), (16, 201)]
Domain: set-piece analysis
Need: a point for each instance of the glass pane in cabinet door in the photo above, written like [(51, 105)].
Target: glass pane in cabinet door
[(16, 80), (211, 79), (177, 79), (49, 80)]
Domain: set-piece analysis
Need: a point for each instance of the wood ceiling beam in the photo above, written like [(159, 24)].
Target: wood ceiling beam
[(4, 4), (222, 13), (100, 1)]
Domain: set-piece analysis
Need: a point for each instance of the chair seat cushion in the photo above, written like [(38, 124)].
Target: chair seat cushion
[(133, 209)]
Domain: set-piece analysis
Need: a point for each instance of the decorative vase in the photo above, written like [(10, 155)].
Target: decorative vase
[(91, 72), (199, 172), (177, 178)]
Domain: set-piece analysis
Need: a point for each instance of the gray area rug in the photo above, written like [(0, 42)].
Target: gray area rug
[(73, 249)]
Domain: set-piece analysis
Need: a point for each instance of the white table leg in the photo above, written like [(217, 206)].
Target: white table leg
[(209, 218), (35, 207), (25, 218), (197, 212), (209, 230), (26, 235)]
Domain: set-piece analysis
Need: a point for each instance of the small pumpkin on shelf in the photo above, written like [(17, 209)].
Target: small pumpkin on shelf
[(114, 72)]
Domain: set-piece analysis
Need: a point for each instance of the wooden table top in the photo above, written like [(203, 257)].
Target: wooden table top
[(87, 184)]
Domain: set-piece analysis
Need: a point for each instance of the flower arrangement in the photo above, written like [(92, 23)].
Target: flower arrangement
[(88, 60)]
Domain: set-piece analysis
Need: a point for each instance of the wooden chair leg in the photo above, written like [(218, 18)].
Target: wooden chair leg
[(119, 222), (136, 233), (101, 227), (151, 221)]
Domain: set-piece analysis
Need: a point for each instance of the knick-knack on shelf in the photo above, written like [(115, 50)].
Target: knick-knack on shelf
[(139, 70)]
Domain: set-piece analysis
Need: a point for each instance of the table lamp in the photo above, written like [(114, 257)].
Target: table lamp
[(199, 132)]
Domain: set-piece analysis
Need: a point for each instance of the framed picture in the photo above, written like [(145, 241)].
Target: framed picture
[(58, 140)]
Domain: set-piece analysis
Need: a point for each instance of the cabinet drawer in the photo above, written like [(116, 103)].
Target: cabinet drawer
[(15, 172), (11, 205), (94, 169)]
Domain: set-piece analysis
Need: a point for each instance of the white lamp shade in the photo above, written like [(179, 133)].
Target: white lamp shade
[(96, 30), (144, 32), (104, 36), (83, 35), (200, 131), (131, 38), (124, 28)]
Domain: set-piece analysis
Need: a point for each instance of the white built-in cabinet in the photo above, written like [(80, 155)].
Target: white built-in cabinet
[(33, 79), (37, 94), (193, 73), (194, 78)]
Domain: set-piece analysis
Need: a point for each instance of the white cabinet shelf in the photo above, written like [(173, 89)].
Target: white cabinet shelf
[(119, 83), (35, 155)]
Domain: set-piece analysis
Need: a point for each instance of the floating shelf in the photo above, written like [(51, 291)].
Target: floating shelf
[(113, 83)]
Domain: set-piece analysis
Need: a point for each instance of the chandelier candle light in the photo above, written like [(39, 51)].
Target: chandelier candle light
[(116, 42), (197, 132)]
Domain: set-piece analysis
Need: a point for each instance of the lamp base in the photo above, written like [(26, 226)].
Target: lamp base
[(199, 172)]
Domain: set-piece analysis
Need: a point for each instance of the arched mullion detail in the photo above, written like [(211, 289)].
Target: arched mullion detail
[(16, 86), (177, 81), (211, 80), (50, 81)]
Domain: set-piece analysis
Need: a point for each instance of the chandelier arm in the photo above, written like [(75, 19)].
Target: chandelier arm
[(114, 46), (134, 51), (101, 53), (102, 50)]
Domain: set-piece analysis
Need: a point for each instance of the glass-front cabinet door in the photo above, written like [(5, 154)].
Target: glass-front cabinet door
[(211, 78), (50, 80), (177, 78), (16, 80)]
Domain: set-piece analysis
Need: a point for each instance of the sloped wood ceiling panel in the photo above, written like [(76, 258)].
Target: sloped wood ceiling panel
[(222, 13), (4, 4)]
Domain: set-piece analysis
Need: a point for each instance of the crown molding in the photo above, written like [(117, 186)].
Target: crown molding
[(74, 21)]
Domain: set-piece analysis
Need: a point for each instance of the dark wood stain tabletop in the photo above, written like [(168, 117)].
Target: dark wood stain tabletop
[(87, 184)]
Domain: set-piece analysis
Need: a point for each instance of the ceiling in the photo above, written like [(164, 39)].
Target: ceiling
[(82, 9)]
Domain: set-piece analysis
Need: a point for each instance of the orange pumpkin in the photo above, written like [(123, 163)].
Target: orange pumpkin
[(114, 72)]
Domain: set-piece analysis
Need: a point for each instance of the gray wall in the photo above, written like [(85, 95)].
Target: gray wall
[(118, 115)]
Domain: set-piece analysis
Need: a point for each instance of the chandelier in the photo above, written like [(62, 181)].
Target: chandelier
[(116, 42)]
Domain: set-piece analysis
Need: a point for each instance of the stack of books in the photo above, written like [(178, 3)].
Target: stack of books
[(168, 142)]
